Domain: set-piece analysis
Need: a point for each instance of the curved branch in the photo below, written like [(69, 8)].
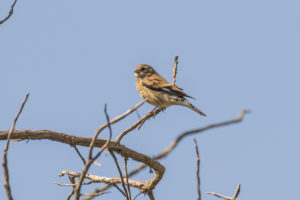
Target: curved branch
[(85, 141), (11, 11), (172, 146)]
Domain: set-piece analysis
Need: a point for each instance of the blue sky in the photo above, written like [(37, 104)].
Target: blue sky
[(75, 56)]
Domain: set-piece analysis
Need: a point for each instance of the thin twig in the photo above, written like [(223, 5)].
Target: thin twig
[(151, 196), (91, 160), (79, 154), (95, 194), (72, 184), (195, 131), (219, 195), (111, 181), (237, 191), (11, 11), (151, 113), (4, 163), (137, 195), (174, 70), (139, 122), (236, 194), (138, 114), (116, 186), (72, 180), (126, 177), (120, 173), (198, 169)]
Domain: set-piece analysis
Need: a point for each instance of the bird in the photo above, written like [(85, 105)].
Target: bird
[(158, 92)]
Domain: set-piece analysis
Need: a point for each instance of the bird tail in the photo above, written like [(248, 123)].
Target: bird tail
[(190, 106)]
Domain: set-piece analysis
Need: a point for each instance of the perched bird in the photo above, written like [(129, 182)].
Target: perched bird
[(157, 91)]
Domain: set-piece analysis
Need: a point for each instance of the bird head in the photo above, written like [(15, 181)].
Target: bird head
[(143, 70)]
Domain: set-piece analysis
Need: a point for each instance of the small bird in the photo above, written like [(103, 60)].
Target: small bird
[(157, 91)]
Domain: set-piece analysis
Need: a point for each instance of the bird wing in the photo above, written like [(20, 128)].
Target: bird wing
[(158, 83)]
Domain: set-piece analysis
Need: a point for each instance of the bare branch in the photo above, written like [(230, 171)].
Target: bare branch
[(151, 196), (84, 141), (219, 195), (137, 195), (195, 131), (72, 180), (91, 160), (173, 145), (120, 173), (139, 122), (79, 154), (11, 11), (95, 194), (198, 169), (126, 177), (174, 70), (72, 184), (237, 191), (99, 179), (4, 163), (236, 194), (116, 186)]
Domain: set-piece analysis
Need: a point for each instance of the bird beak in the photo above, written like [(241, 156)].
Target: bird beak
[(135, 73)]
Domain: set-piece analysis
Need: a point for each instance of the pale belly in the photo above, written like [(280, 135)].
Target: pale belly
[(156, 98)]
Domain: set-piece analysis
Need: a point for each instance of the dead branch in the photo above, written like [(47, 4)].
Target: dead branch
[(114, 180), (151, 195), (198, 169), (172, 146), (122, 192), (4, 163), (137, 195), (195, 131), (237, 191), (11, 11), (72, 183), (85, 141), (72, 180), (126, 177), (79, 154), (236, 194), (138, 123), (174, 70), (92, 159), (121, 175)]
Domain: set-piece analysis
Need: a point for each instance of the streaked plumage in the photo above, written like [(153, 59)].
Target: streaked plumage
[(157, 91)]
